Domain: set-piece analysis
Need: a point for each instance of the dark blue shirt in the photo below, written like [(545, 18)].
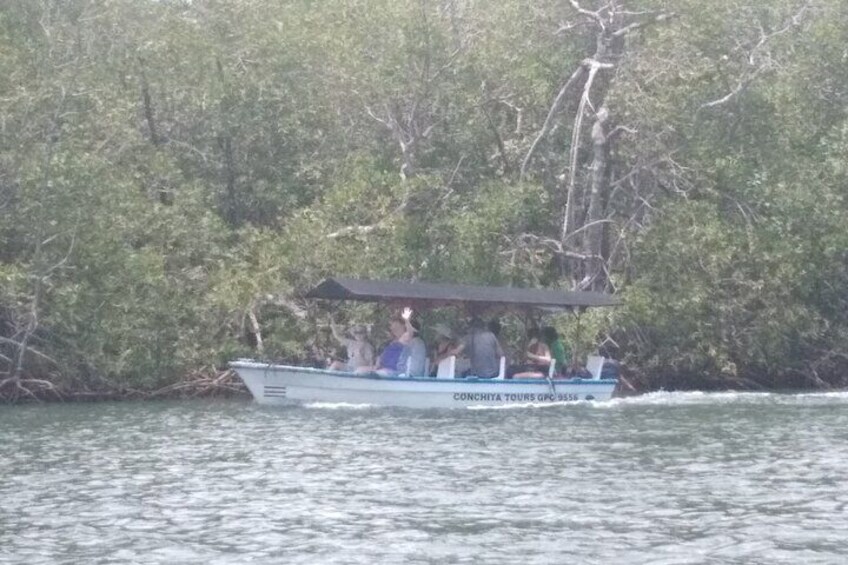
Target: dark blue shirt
[(390, 357)]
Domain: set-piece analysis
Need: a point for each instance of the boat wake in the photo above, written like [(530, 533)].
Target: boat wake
[(337, 406), (694, 398), (659, 398), (531, 405)]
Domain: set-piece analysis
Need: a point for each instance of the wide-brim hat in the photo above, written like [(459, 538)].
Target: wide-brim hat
[(443, 330)]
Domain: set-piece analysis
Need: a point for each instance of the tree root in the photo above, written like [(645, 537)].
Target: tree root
[(16, 389), (203, 384)]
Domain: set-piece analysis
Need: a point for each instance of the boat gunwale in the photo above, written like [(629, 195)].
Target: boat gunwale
[(421, 379)]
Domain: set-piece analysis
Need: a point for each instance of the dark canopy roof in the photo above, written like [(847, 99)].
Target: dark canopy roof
[(438, 294)]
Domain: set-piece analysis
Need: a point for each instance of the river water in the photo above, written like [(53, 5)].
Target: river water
[(663, 478)]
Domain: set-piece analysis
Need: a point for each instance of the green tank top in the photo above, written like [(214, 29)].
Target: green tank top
[(560, 355)]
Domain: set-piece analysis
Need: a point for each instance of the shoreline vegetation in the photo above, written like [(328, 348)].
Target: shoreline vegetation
[(225, 383), (202, 384), (174, 174)]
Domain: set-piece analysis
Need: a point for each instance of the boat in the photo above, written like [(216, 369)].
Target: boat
[(277, 384)]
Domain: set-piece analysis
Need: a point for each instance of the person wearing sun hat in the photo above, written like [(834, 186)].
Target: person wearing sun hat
[(360, 353), (443, 331), (445, 342)]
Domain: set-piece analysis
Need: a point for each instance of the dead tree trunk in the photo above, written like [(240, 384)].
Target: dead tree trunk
[(232, 207), (147, 106), (584, 219), (162, 193), (594, 227)]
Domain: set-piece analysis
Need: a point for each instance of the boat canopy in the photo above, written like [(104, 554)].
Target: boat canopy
[(439, 294)]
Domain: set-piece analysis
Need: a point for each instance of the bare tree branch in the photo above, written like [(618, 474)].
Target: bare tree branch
[(381, 120), (295, 309), (255, 328), (739, 88), (596, 16), (568, 26), (459, 164), (546, 126), (530, 240), (658, 18), (27, 349), (594, 67), (755, 61), (349, 231), (587, 226)]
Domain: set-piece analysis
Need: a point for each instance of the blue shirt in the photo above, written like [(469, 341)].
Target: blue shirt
[(390, 358)]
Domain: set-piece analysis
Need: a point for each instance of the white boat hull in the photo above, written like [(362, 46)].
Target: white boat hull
[(282, 384)]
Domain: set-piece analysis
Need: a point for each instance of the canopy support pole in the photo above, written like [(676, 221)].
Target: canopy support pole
[(578, 312), (551, 383)]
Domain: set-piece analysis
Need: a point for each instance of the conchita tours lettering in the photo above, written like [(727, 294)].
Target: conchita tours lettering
[(513, 397)]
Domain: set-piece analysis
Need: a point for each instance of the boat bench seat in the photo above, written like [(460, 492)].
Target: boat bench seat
[(595, 364), (446, 368)]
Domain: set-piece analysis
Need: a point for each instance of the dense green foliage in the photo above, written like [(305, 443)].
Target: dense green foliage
[(173, 173)]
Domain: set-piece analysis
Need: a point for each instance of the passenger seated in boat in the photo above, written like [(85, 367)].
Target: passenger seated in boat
[(557, 350), (316, 357), (413, 360), (407, 351), (445, 344), (538, 357), (389, 360), (494, 326), (483, 350), (577, 371), (360, 353), (610, 367)]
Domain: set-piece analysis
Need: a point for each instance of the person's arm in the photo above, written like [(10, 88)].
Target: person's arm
[(376, 366), (441, 352), (457, 349), (410, 331), (532, 346), (544, 359), (335, 330), (368, 355)]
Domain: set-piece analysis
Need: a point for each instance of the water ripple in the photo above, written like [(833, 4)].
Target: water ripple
[(662, 478)]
